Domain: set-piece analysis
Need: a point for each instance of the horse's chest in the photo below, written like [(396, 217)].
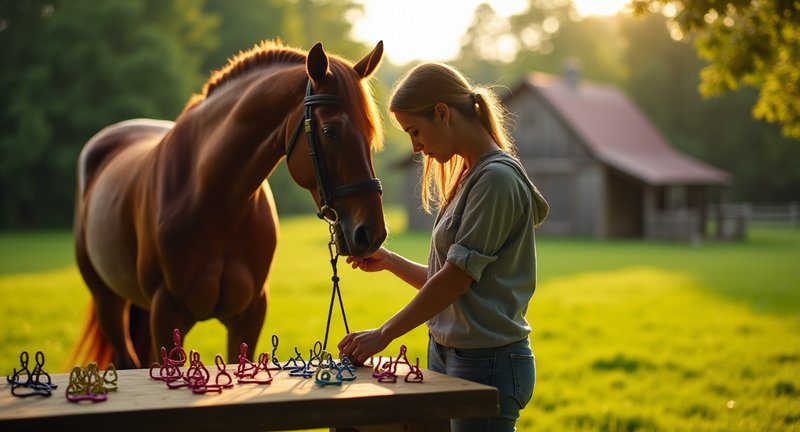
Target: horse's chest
[(218, 288), (214, 270)]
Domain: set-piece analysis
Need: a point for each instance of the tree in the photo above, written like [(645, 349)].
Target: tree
[(660, 73), (242, 24), (310, 21), (541, 38), (71, 68), (663, 79), (594, 42), (299, 23), (746, 42)]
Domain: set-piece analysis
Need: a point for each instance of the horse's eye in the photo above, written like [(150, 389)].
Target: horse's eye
[(330, 132)]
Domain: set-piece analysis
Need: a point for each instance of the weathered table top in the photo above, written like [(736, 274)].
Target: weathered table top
[(288, 403)]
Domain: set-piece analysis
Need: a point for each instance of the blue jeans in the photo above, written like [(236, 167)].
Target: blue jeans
[(510, 368)]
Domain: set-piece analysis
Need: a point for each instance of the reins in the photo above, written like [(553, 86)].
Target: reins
[(335, 292), (326, 211)]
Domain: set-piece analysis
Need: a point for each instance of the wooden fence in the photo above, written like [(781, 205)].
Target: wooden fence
[(787, 214), (732, 221)]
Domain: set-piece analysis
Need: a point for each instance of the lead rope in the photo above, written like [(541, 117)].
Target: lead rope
[(336, 292)]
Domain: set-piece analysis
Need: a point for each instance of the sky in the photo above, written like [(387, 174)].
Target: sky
[(431, 30)]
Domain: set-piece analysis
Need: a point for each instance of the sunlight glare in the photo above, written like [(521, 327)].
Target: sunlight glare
[(433, 30), (600, 7), (421, 29)]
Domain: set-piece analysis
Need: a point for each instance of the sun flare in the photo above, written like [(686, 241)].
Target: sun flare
[(602, 7), (432, 31)]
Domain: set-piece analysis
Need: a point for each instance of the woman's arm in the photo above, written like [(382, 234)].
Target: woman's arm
[(410, 272), (436, 294)]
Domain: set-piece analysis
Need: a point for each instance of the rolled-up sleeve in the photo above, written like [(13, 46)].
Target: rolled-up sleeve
[(494, 205), (471, 261)]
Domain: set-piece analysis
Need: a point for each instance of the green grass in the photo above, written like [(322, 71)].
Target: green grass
[(628, 335), (33, 252)]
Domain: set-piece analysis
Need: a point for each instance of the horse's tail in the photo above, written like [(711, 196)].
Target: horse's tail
[(92, 345)]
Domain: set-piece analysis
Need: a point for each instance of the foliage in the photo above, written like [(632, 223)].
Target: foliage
[(663, 80), (69, 69), (552, 36), (747, 42), (659, 73), (628, 335), (242, 24), (544, 38), (310, 21), (74, 67), (300, 23)]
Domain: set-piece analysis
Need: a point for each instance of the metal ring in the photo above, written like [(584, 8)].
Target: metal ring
[(330, 221)]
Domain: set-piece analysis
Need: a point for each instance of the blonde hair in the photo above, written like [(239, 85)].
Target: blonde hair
[(427, 84)]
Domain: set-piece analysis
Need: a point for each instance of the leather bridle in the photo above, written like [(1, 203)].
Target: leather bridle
[(325, 192)]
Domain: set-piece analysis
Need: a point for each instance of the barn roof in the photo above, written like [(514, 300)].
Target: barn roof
[(617, 133)]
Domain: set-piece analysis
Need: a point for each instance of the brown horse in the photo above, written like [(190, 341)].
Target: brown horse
[(175, 222)]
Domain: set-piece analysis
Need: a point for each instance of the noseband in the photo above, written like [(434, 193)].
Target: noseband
[(325, 192)]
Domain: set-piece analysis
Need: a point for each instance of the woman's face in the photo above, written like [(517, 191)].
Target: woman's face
[(428, 135)]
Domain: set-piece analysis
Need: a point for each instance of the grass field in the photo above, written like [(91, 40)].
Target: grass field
[(628, 335)]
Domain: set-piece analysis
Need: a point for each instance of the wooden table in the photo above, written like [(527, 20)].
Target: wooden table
[(143, 404)]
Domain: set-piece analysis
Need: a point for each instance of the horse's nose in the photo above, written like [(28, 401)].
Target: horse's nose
[(366, 239)]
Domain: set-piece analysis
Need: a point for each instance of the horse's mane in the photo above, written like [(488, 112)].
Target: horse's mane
[(351, 88), (261, 54)]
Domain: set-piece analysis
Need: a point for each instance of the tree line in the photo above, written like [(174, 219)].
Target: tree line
[(71, 67), (700, 70)]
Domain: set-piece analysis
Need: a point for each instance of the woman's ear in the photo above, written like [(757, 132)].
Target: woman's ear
[(441, 113)]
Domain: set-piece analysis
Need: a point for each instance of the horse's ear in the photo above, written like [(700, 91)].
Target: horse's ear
[(369, 64), (317, 63)]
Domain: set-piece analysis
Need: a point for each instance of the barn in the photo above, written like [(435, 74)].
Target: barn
[(605, 169)]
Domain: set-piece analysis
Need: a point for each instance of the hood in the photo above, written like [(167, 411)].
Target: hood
[(540, 206)]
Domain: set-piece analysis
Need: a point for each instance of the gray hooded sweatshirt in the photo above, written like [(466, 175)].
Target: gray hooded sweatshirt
[(487, 230)]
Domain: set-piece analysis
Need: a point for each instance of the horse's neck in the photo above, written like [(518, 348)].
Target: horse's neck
[(243, 131)]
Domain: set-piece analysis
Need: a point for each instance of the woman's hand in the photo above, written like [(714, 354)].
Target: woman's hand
[(360, 346), (375, 262)]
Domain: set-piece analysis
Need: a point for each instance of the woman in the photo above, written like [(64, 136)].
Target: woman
[(481, 271)]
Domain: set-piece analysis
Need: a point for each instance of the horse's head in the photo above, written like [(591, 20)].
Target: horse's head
[(330, 152)]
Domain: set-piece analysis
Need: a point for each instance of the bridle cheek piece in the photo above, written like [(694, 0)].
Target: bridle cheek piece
[(326, 193)]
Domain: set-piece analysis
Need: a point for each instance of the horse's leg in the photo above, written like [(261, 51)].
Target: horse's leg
[(246, 327), (166, 315), (139, 334), (111, 312)]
